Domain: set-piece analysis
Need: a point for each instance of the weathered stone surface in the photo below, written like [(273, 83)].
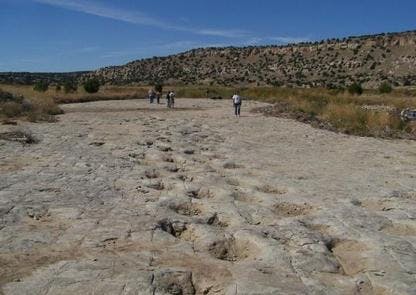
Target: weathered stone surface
[(262, 206)]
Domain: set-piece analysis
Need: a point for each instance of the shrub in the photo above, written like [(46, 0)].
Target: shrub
[(7, 96), (44, 110), (22, 136), (41, 86), (11, 109), (92, 86), (355, 89), (385, 88), (34, 109), (69, 87), (159, 87), (58, 88), (52, 109)]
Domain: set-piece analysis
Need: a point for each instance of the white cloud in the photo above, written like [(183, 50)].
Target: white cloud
[(253, 41), (272, 40), (233, 37), (221, 33), (136, 17), (98, 9), (183, 45), (288, 39)]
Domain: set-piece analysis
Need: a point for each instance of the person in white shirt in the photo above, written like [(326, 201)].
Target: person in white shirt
[(237, 104), (172, 99)]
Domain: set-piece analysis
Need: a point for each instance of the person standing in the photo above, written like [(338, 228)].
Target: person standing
[(237, 104), (172, 99), (168, 99), (151, 94), (158, 97)]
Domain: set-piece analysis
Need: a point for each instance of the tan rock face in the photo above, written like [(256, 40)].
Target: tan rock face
[(115, 202)]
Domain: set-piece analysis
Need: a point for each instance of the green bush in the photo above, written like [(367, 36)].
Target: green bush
[(41, 86), (92, 85), (70, 86), (355, 89), (385, 88), (159, 87)]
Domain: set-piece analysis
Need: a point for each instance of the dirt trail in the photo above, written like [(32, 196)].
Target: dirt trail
[(120, 197)]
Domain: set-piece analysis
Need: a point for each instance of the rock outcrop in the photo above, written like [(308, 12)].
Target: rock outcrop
[(113, 202)]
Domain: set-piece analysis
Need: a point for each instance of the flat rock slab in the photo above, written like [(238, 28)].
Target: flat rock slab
[(122, 197)]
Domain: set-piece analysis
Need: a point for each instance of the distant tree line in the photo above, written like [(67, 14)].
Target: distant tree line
[(69, 86)]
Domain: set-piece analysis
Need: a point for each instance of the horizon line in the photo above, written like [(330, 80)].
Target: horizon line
[(300, 42)]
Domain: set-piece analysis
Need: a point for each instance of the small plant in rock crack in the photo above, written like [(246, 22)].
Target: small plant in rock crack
[(22, 136)]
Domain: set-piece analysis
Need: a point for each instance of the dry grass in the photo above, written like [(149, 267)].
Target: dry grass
[(44, 110), (352, 115), (11, 109), (348, 118), (398, 98), (33, 107), (370, 114), (105, 93), (335, 109), (43, 106)]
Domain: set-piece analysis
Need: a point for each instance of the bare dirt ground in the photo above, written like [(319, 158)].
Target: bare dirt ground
[(120, 197)]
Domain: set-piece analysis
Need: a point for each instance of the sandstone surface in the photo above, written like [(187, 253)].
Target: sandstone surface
[(122, 197)]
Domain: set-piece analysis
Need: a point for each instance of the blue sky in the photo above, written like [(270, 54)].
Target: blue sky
[(69, 35)]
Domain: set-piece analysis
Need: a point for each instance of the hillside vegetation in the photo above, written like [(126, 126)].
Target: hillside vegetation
[(368, 60), (27, 78)]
